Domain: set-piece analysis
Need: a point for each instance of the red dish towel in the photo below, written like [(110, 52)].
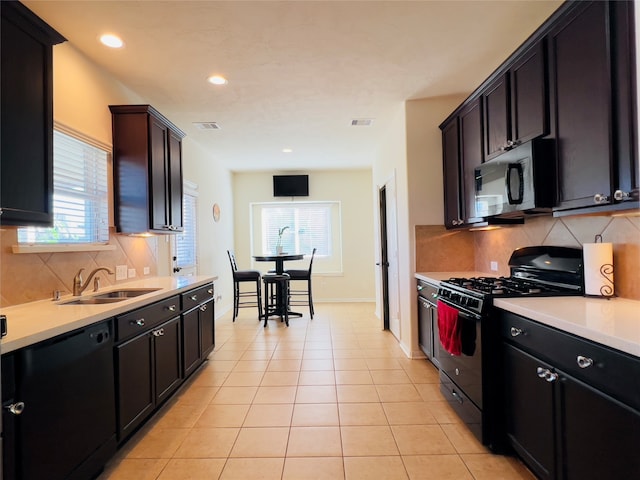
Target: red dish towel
[(449, 327)]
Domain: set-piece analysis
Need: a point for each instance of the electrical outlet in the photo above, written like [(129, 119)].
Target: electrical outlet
[(132, 273), (494, 266), (145, 271), (121, 272)]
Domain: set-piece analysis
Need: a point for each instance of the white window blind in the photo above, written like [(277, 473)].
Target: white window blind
[(186, 240), (308, 225), (80, 197)]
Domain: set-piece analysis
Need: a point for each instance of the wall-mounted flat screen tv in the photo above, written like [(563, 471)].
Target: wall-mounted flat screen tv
[(291, 185)]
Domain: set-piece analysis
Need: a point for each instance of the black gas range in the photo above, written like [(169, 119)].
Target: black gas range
[(468, 377), (542, 271)]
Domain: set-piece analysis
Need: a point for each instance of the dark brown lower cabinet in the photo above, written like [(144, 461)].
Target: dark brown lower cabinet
[(563, 428), (600, 436), (148, 370), (198, 336), (529, 412)]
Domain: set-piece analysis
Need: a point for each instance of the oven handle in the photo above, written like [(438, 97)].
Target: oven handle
[(461, 310)]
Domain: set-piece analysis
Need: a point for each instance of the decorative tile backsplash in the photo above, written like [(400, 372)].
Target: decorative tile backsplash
[(440, 250), (35, 276)]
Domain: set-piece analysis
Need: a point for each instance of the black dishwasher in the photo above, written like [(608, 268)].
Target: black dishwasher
[(63, 418)]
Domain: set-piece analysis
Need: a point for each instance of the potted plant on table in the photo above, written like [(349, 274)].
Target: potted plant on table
[(279, 244)]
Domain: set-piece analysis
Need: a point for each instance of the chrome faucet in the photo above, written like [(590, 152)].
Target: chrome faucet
[(79, 287)]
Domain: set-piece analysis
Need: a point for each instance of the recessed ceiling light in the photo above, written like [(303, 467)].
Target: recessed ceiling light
[(111, 40), (217, 80), (287, 150)]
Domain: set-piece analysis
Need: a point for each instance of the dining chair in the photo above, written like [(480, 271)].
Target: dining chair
[(240, 296), (276, 304), (301, 295)]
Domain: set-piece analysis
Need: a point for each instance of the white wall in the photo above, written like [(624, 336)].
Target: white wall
[(353, 189), (413, 153)]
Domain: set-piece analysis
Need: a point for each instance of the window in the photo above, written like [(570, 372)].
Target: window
[(308, 225), (186, 240), (80, 197)]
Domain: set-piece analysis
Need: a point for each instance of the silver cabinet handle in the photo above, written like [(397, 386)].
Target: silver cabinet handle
[(619, 195), (516, 331), (171, 308), (194, 297), (547, 374), (158, 333), (584, 362), (203, 308), (139, 322), (16, 408), (600, 198), (419, 288), (210, 291)]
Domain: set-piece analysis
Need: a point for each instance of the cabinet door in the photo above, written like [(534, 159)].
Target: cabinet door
[(158, 165), (529, 99), (191, 352), (496, 117), (470, 155), (425, 330), (26, 117), (135, 393), (581, 104), (207, 327), (174, 206), (529, 411), (600, 435), (451, 174), (167, 356)]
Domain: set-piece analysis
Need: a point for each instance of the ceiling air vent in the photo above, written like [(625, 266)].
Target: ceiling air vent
[(362, 122), (206, 125)]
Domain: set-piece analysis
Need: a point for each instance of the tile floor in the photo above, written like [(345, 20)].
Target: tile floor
[(328, 398)]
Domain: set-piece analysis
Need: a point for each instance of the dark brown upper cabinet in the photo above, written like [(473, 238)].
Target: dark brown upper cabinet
[(147, 165), (453, 215), (26, 91), (593, 104), (515, 103), (462, 153)]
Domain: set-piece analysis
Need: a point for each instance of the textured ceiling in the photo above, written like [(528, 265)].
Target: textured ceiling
[(298, 71)]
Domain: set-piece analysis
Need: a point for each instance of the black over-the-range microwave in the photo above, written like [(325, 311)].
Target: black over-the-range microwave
[(518, 182)]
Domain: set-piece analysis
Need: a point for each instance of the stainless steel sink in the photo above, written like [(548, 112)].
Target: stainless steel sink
[(92, 301), (125, 293), (110, 297)]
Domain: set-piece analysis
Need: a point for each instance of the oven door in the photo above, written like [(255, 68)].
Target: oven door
[(465, 370)]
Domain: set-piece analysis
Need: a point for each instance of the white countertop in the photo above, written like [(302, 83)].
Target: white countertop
[(614, 322), (33, 322)]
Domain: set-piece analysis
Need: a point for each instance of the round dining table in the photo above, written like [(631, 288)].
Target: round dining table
[(279, 262)]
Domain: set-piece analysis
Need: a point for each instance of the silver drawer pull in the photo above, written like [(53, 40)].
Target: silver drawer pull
[(194, 297), (158, 333), (16, 408), (584, 362), (516, 331), (171, 308), (139, 322), (210, 291), (541, 372), (203, 308)]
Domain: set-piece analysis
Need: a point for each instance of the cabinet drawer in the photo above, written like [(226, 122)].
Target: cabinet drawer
[(140, 320), (196, 296), (604, 368)]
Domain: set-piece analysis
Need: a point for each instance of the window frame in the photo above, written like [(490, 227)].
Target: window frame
[(77, 246), (329, 265)]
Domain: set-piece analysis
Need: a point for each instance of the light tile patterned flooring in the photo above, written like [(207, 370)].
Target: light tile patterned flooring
[(329, 398)]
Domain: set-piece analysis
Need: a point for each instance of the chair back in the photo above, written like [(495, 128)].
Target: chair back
[(313, 253), (232, 260)]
